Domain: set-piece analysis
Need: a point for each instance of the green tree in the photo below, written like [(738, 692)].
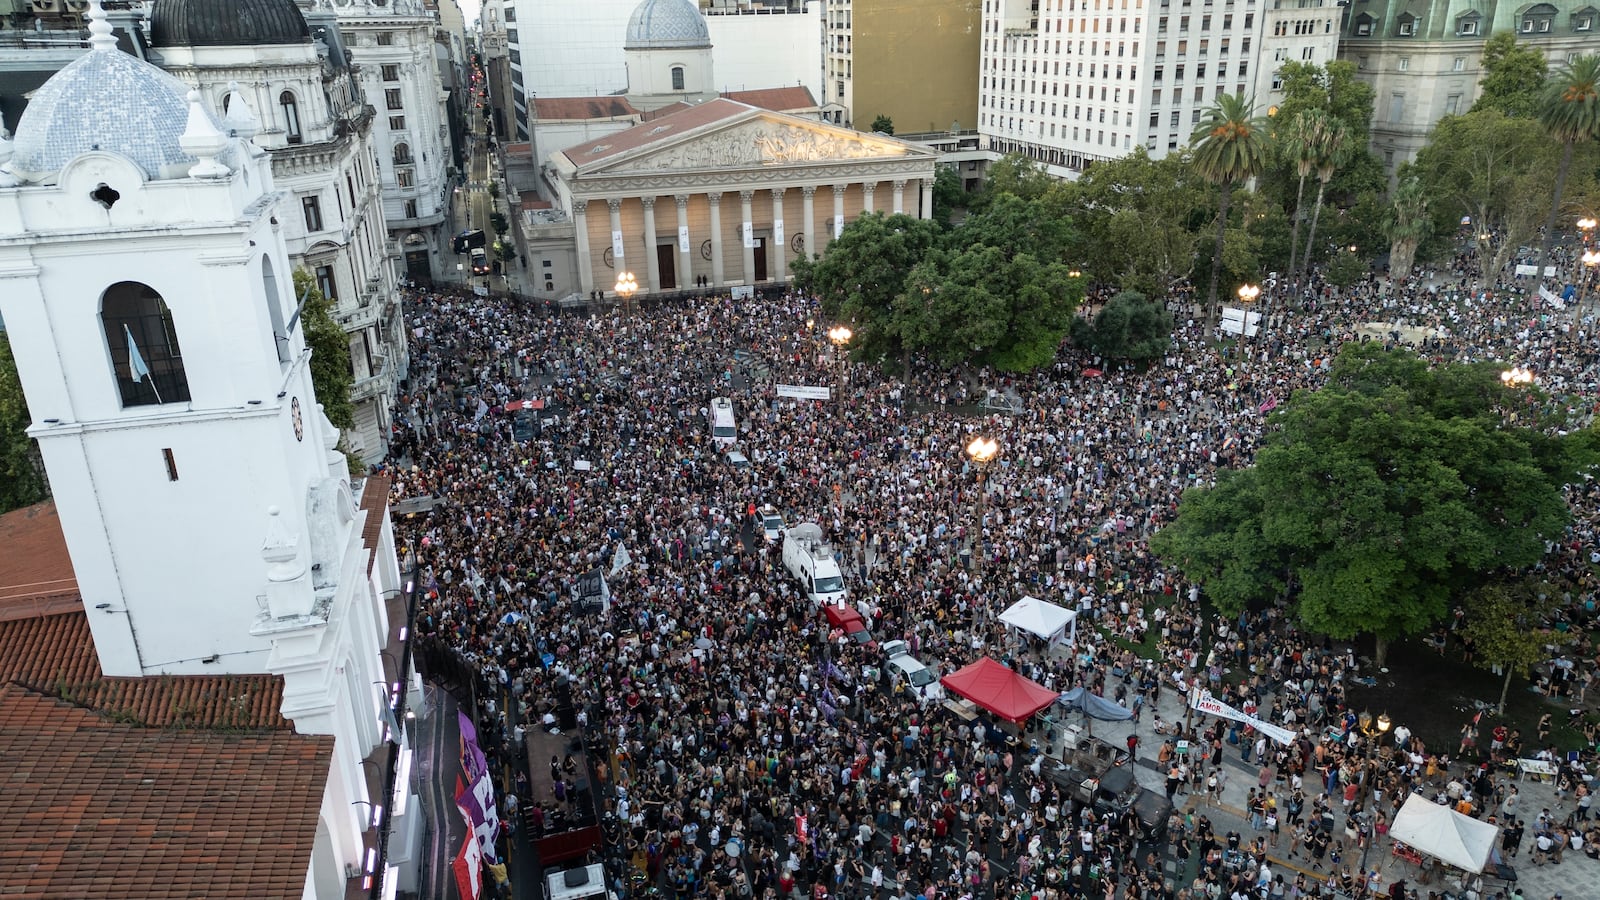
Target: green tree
[(505, 251), (497, 221), (883, 124), (1406, 225), (1333, 89), (948, 194), (1013, 174), (1514, 75), (862, 272), (331, 375), (1345, 269), (1379, 498), (1570, 112), (1494, 169), (1509, 627), (1230, 146), (21, 472), (1130, 326), (1298, 143), (1141, 220), (1333, 148)]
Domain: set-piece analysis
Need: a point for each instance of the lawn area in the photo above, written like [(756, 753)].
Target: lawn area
[(1433, 696)]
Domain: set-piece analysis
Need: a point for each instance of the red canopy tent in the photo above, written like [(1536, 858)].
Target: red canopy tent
[(1000, 690)]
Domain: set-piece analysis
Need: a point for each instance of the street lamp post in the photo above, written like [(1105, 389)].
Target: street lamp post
[(626, 287), (982, 451), (1586, 263), (1383, 724), (840, 336), (1247, 295)]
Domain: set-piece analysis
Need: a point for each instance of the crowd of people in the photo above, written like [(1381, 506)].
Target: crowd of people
[(736, 720)]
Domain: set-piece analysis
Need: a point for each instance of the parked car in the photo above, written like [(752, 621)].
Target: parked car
[(846, 619), (771, 524), (907, 673)]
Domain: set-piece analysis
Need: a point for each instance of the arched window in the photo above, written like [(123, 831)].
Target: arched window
[(143, 342), (402, 154), (677, 78), (269, 283), (291, 116)]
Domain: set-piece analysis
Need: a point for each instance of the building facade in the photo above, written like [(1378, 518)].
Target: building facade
[(212, 528), (317, 128), (392, 45), (766, 45), (727, 194), (913, 62), (1072, 82), (1424, 60)]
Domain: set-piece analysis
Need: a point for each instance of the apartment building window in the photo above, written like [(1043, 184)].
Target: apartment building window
[(403, 177), (397, 123), (1176, 118), (1407, 25), (385, 39), (1363, 25), (291, 116), (1397, 107), (391, 73), (1306, 53), (1467, 26), (411, 209), (402, 154), (326, 283), (840, 88), (1582, 23), (1405, 63), (391, 99), (313, 211), (1458, 64), (1452, 104), (1155, 120)]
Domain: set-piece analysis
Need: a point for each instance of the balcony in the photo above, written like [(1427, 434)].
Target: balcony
[(375, 386)]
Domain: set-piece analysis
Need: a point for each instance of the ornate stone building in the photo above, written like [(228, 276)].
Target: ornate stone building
[(316, 122), (728, 192), (1425, 59)]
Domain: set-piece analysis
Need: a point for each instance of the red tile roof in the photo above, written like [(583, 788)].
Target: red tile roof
[(96, 809), (612, 107), (664, 128), (375, 502), (35, 571), (791, 99)]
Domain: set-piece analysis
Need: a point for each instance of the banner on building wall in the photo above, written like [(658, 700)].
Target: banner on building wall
[(777, 233), (683, 239), (838, 225), (1201, 700), (749, 236), (616, 247)]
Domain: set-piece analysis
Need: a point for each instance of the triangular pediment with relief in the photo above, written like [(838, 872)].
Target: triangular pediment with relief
[(761, 142)]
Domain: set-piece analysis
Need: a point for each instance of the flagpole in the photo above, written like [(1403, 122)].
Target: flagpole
[(153, 387)]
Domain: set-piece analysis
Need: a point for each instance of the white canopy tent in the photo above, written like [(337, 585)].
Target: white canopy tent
[(1439, 831), (1046, 620)]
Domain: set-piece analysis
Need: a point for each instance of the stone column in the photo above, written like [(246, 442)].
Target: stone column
[(716, 237), (652, 264), (808, 220), (580, 227), (685, 246), (899, 195), (618, 263), (746, 226), (927, 198), (867, 190), (780, 270), (835, 226)]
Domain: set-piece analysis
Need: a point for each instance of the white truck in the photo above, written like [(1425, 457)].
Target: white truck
[(575, 884), (809, 558)]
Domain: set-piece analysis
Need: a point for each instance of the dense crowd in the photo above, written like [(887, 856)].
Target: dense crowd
[(736, 715)]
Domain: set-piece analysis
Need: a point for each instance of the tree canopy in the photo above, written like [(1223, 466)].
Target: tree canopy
[(1129, 327), (1377, 499), (331, 374), (22, 479), (995, 290), (1141, 220), (1513, 79)]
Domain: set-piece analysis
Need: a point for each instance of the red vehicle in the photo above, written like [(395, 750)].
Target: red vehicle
[(846, 619)]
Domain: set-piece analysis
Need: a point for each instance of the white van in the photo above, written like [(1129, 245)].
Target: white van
[(576, 884), (723, 428)]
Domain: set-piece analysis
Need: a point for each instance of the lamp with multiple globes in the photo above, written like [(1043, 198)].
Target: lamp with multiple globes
[(982, 451), (626, 287), (1517, 376)]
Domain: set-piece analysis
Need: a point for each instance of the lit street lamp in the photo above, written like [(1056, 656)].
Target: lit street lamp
[(982, 451), (1516, 376), (626, 287), (1247, 295), (1375, 736), (840, 336), (1588, 261)]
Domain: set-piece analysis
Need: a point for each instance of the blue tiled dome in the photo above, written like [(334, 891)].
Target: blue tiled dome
[(666, 24), (104, 100)]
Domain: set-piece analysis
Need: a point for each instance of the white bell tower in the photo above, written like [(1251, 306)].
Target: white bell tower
[(146, 288)]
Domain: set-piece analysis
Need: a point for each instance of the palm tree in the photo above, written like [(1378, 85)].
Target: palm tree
[(1570, 111), (1230, 146), (1406, 225), (1298, 142), (1333, 148)]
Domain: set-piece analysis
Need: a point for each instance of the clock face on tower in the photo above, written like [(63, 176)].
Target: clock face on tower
[(295, 417)]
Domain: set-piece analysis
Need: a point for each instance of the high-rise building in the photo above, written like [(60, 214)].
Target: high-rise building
[(1072, 82), (316, 123), (914, 61), (1425, 62)]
